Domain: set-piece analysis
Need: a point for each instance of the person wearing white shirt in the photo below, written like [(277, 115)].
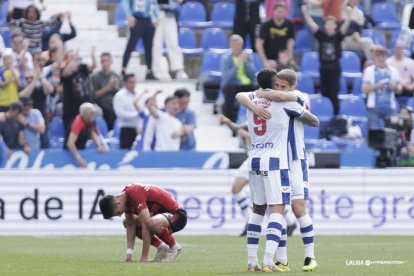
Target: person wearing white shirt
[(164, 127), (126, 110), (380, 83)]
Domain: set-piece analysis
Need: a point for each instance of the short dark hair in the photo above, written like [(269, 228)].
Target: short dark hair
[(279, 5), (106, 54), (287, 75), (107, 206), (26, 12), (17, 105), (168, 99), (266, 78), (182, 92), (127, 76)]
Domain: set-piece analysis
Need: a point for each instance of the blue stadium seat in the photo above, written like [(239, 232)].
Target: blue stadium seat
[(310, 64), (120, 18), (193, 15), (350, 64), (222, 15), (393, 40), (410, 102), (343, 88), (325, 145), (322, 107), (357, 86), (102, 126), (303, 42), (140, 46), (117, 129), (311, 132), (258, 65), (56, 128), (210, 66), (3, 13), (214, 38), (376, 36), (5, 33), (385, 16), (247, 42), (353, 106), (305, 84), (188, 43)]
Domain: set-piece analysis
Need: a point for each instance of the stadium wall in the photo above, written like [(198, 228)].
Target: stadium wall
[(64, 202)]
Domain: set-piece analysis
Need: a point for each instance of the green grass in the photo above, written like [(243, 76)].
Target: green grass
[(202, 255)]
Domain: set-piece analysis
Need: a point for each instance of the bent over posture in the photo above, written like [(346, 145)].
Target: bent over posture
[(152, 215)]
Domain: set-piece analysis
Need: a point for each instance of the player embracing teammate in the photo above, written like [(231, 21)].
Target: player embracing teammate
[(278, 167)]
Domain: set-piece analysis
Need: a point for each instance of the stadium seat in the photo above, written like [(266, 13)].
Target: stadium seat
[(56, 128), (120, 18), (210, 66), (325, 145), (343, 87), (247, 42), (310, 64), (376, 36), (353, 106), (385, 16), (116, 130), (214, 38), (311, 132), (303, 42), (5, 33), (242, 114), (410, 102), (357, 86), (102, 126), (258, 65), (140, 46), (322, 107), (193, 15), (305, 84), (187, 42), (222, 15), (4, 6), (351, 65)]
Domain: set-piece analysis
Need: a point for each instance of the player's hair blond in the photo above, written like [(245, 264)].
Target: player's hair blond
[(287, 75)]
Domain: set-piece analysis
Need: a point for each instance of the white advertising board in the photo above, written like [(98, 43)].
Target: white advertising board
[(65, 202)]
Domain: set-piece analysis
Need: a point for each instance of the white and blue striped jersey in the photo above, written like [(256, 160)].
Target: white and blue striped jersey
[(269, 138), (297, 139)]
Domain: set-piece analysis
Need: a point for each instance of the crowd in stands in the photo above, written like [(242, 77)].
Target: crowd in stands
[(42, 83)]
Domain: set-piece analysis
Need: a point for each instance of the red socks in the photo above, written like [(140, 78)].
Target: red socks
[(155, 241), (167, 237)]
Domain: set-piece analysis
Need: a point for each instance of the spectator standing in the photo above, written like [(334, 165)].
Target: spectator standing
[(22, 58), (330, 52), (58, 29), (238, 72), (270, 4), (142, 15), (82, 129), (164, 126), (275, 35), (353, 41), (126, 110), (10, 79), (33, 122), (11, 129), (380, 83), (247, 19), (187, 118), (77, 87), (405, 68), (37, 86), (32, 26), (167, 32), (329, 7), (106, 83)]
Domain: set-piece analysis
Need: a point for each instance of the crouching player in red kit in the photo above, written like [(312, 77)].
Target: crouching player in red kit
[(152, 215)]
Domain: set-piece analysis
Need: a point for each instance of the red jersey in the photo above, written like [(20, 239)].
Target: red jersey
[(157, 200)]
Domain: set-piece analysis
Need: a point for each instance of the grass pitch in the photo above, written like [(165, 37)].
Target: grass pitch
[(202, 255)]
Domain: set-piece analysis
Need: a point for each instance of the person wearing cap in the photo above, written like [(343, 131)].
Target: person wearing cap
[(405, 67), (11, 129), (33, 123), (9, 82), (82, 129), (380, 82)]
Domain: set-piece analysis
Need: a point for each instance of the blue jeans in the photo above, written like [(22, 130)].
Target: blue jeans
[(376, 116)]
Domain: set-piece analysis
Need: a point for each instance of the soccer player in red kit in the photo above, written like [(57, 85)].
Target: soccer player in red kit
[(152, 215)]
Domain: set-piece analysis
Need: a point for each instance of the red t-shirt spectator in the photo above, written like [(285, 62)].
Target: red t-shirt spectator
[(82, 130)]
